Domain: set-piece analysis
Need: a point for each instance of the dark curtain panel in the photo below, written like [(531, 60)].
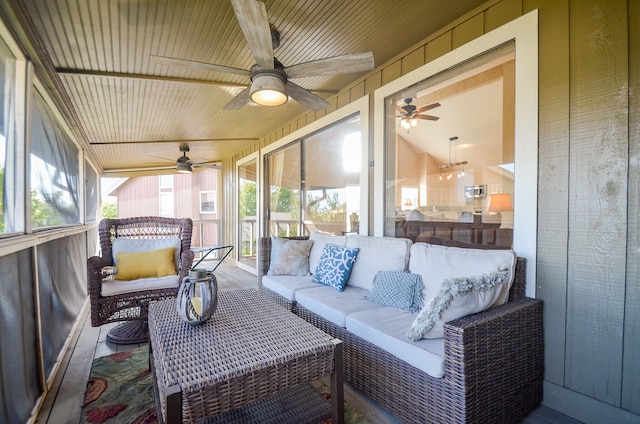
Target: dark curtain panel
[(62, 273), (18, 363)]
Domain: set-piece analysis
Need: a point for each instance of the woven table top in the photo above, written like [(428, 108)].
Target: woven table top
[(250, 344)]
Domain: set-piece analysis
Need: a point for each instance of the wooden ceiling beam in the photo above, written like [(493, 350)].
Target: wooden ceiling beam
[(205, 140), (102, 74)]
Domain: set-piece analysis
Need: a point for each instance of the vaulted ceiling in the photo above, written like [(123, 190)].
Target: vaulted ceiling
[(131, 111)]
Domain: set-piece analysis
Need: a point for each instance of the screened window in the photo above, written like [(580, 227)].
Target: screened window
[(449, 155), (11, 210), (54, 170)]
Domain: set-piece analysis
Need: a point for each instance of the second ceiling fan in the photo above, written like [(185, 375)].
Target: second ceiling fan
[(410, 113), (270, 84)]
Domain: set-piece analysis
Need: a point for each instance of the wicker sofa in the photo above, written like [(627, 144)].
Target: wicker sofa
[(493, 360)]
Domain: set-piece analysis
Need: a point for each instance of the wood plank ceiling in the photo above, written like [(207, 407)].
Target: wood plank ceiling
[(128, 108)]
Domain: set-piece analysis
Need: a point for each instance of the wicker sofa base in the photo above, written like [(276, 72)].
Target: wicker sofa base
[(477, 387)]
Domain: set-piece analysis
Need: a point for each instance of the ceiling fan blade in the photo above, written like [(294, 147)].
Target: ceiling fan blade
[(240, 100), (160, 157), (208, 165), (346, 64), (199, 65), (253, 20), (427, 107), (427, 117), (401, 110), (306, 97)]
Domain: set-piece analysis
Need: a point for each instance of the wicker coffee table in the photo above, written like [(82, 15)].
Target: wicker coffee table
[(251, 362)]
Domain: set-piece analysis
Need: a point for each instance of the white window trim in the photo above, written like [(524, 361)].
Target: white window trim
[(524, 32)]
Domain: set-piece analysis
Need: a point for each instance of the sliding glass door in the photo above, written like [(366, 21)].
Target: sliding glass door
[(247, 172), (314, 182)]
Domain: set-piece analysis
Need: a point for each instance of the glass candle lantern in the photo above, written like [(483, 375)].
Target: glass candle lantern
[(198, 297)]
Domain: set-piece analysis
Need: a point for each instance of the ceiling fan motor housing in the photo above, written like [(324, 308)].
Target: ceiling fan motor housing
[(268, 85)]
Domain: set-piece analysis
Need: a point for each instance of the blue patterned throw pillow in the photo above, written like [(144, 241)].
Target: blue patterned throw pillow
[(397, 289), (335, 266)]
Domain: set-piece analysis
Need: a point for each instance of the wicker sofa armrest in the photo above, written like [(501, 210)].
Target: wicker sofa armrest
[(498, 349)]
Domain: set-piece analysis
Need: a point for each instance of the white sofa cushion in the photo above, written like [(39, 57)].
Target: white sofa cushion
[(376, 254), (435, 263), (286, 285), (115, 287), (457, 298), (319, 241), (386, 329), (333, 305)]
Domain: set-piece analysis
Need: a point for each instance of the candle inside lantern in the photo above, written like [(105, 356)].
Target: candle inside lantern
[(196, 302)]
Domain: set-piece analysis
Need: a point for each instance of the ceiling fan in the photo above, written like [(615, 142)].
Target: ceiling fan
[(270, 85), (184, 165), (410, 113)]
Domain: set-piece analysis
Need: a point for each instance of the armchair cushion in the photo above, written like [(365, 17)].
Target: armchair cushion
[(129, 245), (153, 263), (118, 287)]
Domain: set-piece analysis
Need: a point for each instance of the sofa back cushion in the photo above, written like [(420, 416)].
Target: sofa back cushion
[(377, 254), (437, 263), (458, 282), (319, 241)]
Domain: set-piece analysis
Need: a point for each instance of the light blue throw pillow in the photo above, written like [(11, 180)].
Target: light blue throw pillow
[(335, 266), (397, 289)]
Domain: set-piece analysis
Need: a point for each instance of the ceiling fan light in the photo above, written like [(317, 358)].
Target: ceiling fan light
[(268, 90), (184, 168)]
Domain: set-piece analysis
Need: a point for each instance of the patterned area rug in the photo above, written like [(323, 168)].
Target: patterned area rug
[(120, 390)]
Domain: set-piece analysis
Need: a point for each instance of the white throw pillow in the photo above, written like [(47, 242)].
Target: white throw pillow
[(319, 241)]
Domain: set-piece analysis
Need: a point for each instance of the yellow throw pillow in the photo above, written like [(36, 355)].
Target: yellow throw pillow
[(153, 263)]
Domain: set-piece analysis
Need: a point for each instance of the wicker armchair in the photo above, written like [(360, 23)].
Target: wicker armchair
[(133, 307)]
